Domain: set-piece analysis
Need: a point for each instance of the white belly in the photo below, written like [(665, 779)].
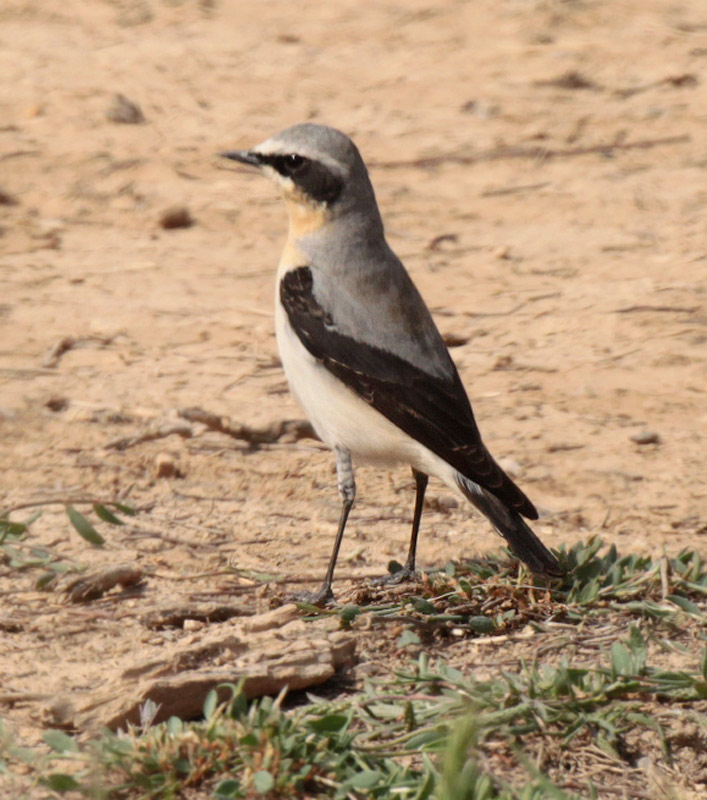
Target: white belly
[(341, 418)]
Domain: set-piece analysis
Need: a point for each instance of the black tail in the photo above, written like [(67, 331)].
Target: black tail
[(521, 539)]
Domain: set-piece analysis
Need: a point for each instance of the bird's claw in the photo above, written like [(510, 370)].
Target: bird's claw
[(396, 578), (320, 598)]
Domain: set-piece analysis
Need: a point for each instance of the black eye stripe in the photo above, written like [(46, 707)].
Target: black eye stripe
[(314, 178)]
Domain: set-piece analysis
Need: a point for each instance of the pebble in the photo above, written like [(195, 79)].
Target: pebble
[(6, 199), (165, 466), (445, 503), (176, 217), (124, 111), (454, 339), (646, 437), (57, 403)]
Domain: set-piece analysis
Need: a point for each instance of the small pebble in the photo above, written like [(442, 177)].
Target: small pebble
[(124, 111), (59, 712), (176, 217), (57, 403), (165, 466), (646, 437), (503, 362), (569, 80), (6, 199), (444, 503), (452, 339)]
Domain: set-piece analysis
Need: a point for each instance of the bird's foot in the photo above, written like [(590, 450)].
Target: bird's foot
[(323, 597), (402, 575)]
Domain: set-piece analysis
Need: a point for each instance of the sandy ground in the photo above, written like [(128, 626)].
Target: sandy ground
[(557, 231)]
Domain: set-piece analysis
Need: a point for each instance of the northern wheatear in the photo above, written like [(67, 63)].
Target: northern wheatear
[(360, 349)]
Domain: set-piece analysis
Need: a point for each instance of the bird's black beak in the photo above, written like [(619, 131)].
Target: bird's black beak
[(243, 156)]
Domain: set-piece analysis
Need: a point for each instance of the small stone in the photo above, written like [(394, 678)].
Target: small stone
[(57, 404), (124, 111), (503, 362), (445, 503), (685, 79), (176, 217), (59, 712), (6, 199), (453, 339), (165, 466), (569, 80), (558, 447), (480, 109), (192, 625), (646, 437)]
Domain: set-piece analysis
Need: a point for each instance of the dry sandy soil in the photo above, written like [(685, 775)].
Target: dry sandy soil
[(542, 170)]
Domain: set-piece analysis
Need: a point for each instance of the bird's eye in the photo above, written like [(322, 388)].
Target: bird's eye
[(294, 163)]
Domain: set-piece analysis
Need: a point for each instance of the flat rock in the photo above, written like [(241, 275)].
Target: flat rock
[(268, 651)]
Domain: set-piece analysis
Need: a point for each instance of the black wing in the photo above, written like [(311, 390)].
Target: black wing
[(434, 411)]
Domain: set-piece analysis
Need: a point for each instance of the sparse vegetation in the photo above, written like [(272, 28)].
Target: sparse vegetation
[(19, 553), (594, 706)]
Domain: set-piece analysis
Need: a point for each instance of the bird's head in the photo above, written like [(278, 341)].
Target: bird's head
[(319, 171)]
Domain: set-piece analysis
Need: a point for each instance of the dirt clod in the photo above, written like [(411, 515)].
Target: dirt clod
[(124, 111)]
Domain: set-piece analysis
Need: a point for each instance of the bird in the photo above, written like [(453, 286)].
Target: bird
[(362, 353)]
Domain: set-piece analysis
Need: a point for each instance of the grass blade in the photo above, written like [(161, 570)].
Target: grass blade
[(83, 527)]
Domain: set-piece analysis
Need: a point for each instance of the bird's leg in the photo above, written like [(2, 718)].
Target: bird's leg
[(408, 571), (347, 493), (421, 481)]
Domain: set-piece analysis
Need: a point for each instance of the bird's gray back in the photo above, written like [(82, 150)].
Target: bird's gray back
[(369, 295)]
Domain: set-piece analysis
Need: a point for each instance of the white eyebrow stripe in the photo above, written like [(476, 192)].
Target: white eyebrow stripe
[(277, 147)]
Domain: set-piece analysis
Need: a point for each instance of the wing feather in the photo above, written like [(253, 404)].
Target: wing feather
[(433, 410)]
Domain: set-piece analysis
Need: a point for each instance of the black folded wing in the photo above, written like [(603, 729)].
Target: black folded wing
[(435, 411)]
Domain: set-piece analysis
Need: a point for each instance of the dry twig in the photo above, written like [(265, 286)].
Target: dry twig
[(91, 587), (67, 343), (159, 432), (288, 430)]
